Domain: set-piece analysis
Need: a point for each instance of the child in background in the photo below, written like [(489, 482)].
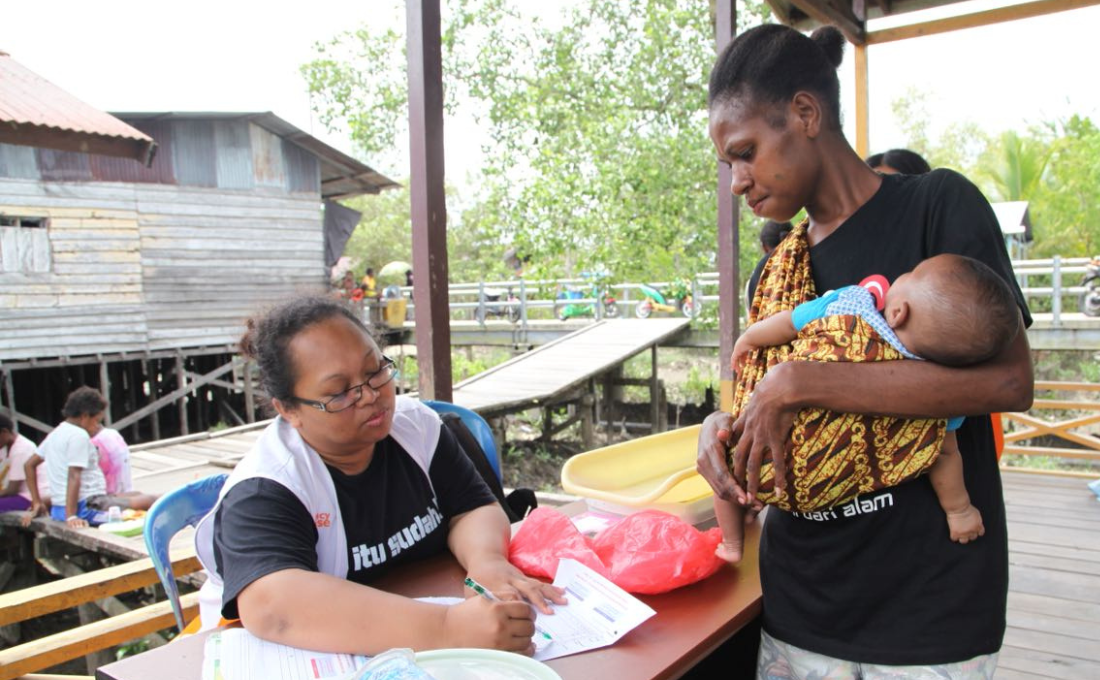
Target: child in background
[(951, 310), (15, 451), (114, 460)]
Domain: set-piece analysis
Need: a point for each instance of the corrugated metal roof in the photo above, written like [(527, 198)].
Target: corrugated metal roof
[(342, 176), (35, 112)]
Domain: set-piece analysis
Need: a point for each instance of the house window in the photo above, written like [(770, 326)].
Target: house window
[(24, 244)]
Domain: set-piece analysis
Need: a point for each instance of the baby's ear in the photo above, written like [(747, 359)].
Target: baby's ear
[(896, 314)]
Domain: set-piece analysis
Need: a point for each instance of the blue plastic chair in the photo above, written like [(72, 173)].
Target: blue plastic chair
[(477, 426), (173, 511)]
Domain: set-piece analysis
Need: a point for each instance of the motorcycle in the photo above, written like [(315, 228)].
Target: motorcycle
[(1090, 299), (607, 302), (680, 301), (491, 305)]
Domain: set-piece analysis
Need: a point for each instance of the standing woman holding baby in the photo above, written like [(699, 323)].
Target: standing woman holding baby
[(885, 592)]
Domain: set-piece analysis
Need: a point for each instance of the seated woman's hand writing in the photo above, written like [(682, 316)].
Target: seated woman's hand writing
[(480, 622)]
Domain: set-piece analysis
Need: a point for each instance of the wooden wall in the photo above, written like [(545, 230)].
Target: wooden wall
[(149, 266)]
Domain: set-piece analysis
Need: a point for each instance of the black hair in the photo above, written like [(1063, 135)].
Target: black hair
[(772, 233), (84, 401), (903, 160), (769, 64), (6, 423), (370, 271), (977, 316), (268, 338)]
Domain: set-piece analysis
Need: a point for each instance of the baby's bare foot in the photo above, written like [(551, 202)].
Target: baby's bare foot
[(966, 524), (729, 551)]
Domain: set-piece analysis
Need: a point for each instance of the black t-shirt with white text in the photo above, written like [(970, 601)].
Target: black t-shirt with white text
[(390, 515), (878, 580)]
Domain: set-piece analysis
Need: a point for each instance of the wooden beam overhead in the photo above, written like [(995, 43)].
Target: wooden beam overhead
[(839, 15), (1026, 10)]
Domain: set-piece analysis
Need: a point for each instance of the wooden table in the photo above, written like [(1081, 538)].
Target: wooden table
[(690, 623)]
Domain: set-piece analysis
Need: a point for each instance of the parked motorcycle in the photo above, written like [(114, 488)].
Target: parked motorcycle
[(679, 300), (492, 306), (1090, 299)]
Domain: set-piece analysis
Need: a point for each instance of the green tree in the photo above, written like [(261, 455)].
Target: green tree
[(597, 157), (1066, 208), (1014, 167)]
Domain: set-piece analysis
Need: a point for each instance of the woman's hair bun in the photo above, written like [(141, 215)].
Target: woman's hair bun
[(831, 41)]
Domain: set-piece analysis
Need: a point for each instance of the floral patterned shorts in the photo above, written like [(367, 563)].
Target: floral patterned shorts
[(781, 661)]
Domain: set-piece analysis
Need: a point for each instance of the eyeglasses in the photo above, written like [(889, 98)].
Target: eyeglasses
[(351, 396)]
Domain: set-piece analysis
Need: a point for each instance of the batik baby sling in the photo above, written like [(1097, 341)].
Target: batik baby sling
[(831, 457)]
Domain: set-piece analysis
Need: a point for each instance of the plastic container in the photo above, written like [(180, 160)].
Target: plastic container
[(655, 472), (114, 514)]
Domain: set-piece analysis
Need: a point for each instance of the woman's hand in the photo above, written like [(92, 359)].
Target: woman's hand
[(505, 581), (764, 427), (482, 623), (710, 461)]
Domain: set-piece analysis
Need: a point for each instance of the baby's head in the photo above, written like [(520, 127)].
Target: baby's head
[(952, 310)]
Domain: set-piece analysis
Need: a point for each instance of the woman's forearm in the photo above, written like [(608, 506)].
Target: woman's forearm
[(480, 534), (283, 607), (914, 389)]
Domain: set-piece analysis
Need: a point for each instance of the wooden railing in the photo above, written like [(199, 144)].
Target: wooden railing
[(1028, 426), (86, 588)]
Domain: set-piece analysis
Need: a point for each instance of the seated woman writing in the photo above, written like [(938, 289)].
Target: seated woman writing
[(348, 483)]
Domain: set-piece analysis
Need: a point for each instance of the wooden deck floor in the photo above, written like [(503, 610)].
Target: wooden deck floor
[(1054, 579)]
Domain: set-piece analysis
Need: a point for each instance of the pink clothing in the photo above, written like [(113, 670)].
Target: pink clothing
[(114, 460), (12, 460)]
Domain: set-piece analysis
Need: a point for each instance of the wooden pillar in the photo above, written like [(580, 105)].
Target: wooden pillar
[(654, 391), (729, 275), (428, 202), (609, 405), (863, 130), (587, 404), (9, 393), (249, 396), (105, 388), (181, 380), (151, 378)]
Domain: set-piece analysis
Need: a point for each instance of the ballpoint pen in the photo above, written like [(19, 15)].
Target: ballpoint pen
[(484, 592)]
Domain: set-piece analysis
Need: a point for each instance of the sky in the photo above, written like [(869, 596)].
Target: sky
[(242, 55)]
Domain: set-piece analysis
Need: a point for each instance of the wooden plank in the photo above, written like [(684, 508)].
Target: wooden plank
[(1040, 604), (1043, 664), (1063, 585), (1026, 10), (1085, 632), (1046, 557), (1010, 674), (1073, 648), (54, 649), (29, 603)]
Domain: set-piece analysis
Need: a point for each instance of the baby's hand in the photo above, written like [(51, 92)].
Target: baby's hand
[(741, 350)]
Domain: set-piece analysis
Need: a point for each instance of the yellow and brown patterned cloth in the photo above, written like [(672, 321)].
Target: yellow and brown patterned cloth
[(831, 457)]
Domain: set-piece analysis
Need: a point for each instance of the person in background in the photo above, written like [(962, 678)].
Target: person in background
[(369, 284), (348, 483), (78, 489), (114, 460), (899, 162), (15, 451)]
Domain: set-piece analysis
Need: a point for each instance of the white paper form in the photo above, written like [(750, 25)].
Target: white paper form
[(598, 613), (236, 654)]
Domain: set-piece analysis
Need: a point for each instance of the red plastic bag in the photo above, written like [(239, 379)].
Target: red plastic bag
[(647, 552)]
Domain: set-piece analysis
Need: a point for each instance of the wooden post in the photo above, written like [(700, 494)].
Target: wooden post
[(428, 202), (609, 406), (863, 130), (587, 404), (9, 392), (105, 388), (729, 274), (249, 396), (654, 391), (181, 382), (151, 378)]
